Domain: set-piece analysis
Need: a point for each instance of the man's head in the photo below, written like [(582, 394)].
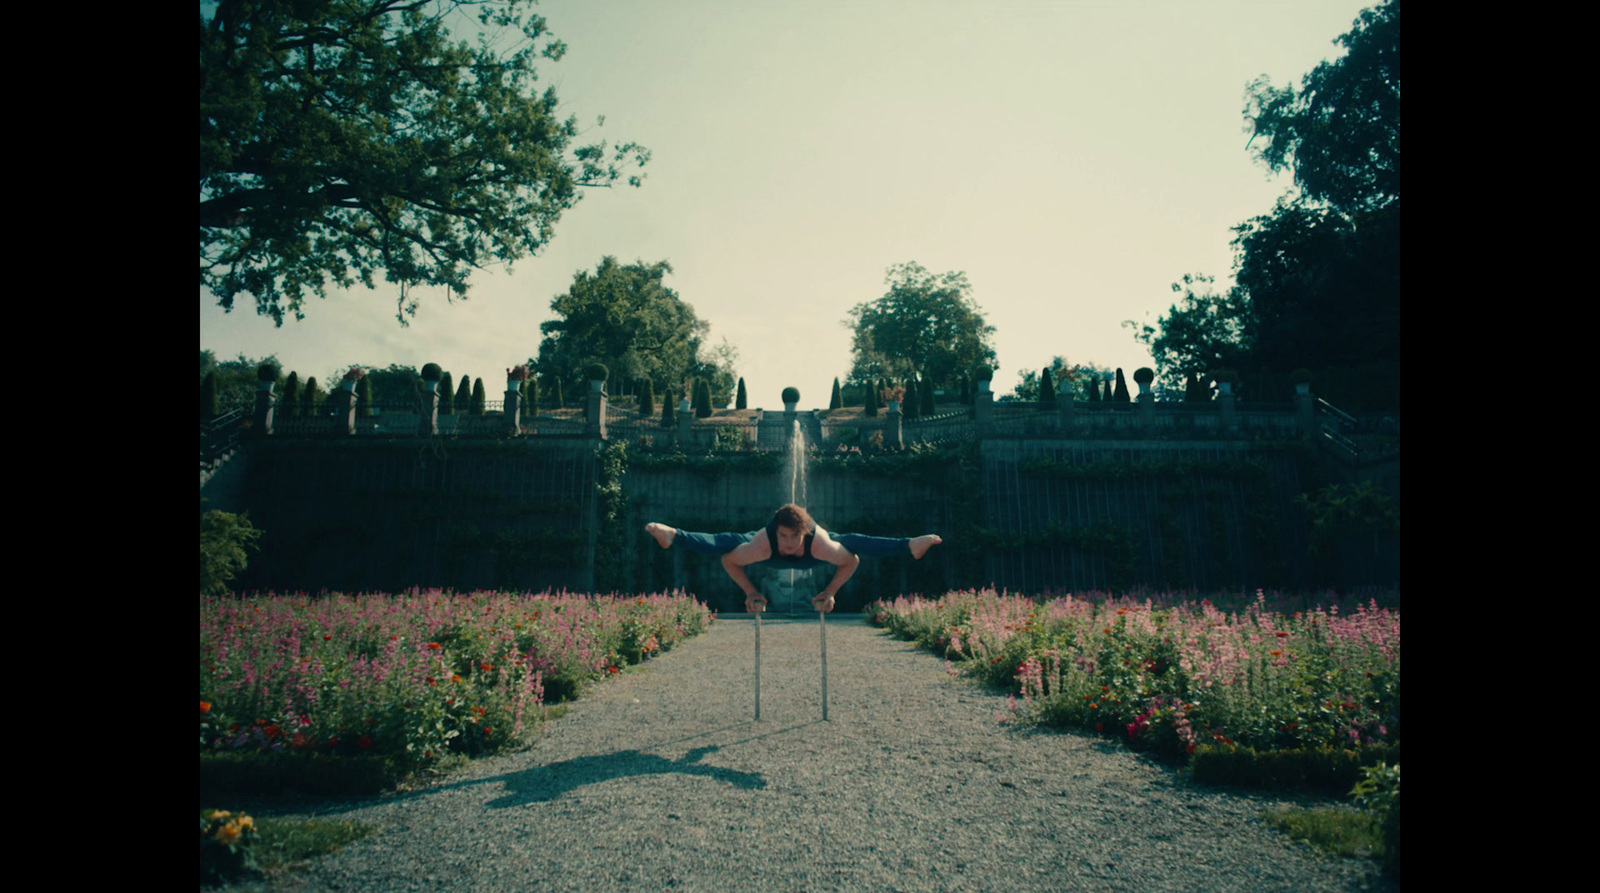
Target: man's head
[(793, 524)]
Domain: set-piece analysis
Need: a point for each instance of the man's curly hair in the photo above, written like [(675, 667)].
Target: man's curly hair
[(795, 518)]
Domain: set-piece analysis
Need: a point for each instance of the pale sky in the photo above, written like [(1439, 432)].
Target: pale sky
[(1072, 158)]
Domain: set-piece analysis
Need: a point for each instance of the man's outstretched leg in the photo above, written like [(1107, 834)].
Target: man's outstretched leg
[(705, 543), (885, 546)]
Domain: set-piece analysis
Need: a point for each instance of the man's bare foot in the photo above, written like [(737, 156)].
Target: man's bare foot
[(920, 545), (662, 533)]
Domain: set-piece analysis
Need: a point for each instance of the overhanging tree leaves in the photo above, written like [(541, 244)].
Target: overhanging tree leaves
[(926, 324), (346, 137)]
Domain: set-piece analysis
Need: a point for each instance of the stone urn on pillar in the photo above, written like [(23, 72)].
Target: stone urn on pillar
[(595, 409), (1143, 376), (1304, 403), (347, 397), (1227, 380), (515, 376), (266, 378)]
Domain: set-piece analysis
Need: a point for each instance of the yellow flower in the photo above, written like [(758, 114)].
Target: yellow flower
[(228, 833), (219, 814), (245, 822)]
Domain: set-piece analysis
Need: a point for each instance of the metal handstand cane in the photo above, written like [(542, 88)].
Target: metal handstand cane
[(822, 623), (758, 663)]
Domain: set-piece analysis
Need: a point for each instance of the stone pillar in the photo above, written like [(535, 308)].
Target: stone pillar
[(983, 412), (265, 400), (347, 407), (1306, 405), (430, 409), (594, 424), (1064, 409), (513, 408), (685, 421), (1230, 420), (893, 430), (1147, 407)]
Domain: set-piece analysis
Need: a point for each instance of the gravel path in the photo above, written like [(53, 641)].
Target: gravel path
[(660, 779)]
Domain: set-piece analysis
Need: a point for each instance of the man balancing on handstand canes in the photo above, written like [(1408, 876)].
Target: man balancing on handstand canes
[(792, 541)]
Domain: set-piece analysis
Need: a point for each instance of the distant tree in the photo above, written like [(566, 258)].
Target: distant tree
[(625, 317), (343, 138), (289, 405), (743, 401), (926, 324), (309, 398)]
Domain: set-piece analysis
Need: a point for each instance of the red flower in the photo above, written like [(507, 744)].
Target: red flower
[(434, 645), (363, 742), (205, 706), (487, 668)]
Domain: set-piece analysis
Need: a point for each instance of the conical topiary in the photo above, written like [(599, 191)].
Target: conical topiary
[(291, 395), (1047, 389), (702, 399), (742, 401), (364, 398), (647, 399), (1093, 387), (669, 415), (836, 401), (479, 403), (309, 398), (1121, 394)]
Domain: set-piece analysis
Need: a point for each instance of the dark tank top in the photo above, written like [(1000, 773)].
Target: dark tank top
[(772, 538)]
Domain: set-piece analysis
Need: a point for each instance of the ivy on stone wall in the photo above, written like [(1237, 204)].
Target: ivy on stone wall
[(610, 562)]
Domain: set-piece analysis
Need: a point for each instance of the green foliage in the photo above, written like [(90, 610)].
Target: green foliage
[(447, 397), (836, 401), (610, 570), (431, 372), (1378, 791), (364, 397), (1341, 832), (791, 395), (532, 401), (1338, 511), (925, 397), (702, 400), (1317, 278), (208, 396), (625, 318), (1340, 132), (224, 539), (926, 324), (479, 402), (596, 372), (239, 774), (1047, 391), (743, 400), (227, 846), (1326, 770), (341, 138), (731, 437), (1144, 375), (669, 412)]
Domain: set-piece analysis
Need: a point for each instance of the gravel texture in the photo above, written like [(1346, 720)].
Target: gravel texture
[(660, 779)]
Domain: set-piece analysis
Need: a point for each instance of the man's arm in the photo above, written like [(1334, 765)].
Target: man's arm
[(824, 547), (734, 563)]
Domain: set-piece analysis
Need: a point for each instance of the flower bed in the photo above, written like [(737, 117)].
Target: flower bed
[(1173, 676), (413, 678)]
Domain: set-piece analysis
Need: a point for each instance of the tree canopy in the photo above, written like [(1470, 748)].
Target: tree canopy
[(1317, 278), (346, 137), (625, 317), (926, 325)]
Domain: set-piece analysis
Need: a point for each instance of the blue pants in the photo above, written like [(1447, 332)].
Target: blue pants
[(856, 543)]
